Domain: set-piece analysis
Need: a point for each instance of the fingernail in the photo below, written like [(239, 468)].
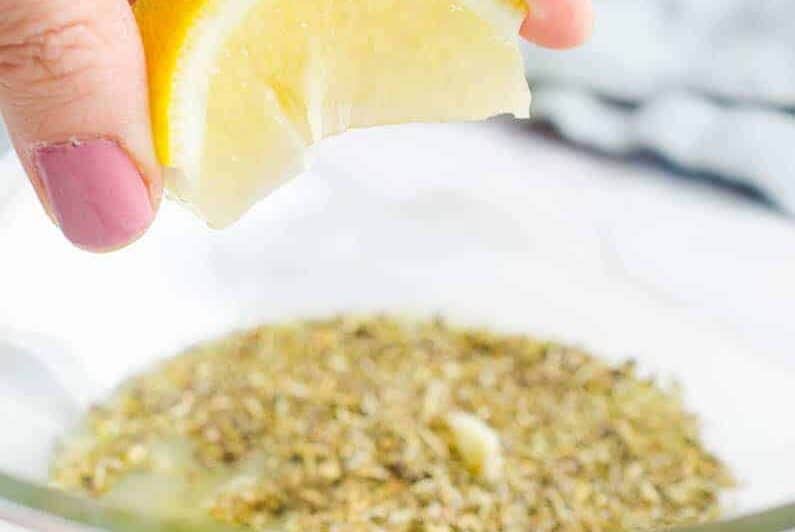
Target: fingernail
[(96, 193)]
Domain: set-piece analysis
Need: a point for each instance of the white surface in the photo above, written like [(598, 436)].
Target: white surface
[(482, 222), (708, 82)]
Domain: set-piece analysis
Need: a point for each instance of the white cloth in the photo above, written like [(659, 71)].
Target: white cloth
[(704, 83)]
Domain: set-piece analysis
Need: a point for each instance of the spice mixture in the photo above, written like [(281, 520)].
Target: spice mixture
[(381, 424)]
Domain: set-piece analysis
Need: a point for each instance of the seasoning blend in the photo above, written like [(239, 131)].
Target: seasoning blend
[(381, 424)]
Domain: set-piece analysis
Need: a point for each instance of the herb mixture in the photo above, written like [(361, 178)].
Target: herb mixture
[(381, 424)]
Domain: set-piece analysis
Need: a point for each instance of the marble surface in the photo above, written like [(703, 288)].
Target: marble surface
[(486, 223)]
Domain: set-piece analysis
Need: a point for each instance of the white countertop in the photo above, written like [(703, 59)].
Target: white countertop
[(688, 245)]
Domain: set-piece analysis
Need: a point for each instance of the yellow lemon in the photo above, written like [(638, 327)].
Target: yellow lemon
[(241, 88)]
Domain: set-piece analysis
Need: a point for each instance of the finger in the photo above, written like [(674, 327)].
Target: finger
[(558, 23), (73, 94)]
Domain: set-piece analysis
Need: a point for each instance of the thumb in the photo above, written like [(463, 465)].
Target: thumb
[(74, 97), (558, 23)]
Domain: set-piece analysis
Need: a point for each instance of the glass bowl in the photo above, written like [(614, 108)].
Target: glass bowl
[(484, 224)]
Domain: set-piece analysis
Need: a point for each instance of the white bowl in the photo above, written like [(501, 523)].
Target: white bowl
[(484, 224)]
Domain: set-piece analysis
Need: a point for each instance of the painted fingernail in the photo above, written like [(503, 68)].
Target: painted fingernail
[(96, 193)]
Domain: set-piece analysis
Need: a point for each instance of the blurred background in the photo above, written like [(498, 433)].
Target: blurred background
[(705, 87)]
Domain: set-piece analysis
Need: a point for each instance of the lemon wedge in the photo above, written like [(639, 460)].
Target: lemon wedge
[(241, 88)]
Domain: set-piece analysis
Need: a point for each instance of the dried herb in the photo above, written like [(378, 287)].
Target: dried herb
[(381, 424)]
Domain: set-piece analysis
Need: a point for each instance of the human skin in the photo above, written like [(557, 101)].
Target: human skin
[(62, 61)]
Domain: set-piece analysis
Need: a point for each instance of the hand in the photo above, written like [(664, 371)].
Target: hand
[(74, 97)]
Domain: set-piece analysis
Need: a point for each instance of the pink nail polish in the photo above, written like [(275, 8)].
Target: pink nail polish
[(96, 193)]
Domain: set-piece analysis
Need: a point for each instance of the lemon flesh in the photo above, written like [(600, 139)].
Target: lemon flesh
[(241, 88)]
